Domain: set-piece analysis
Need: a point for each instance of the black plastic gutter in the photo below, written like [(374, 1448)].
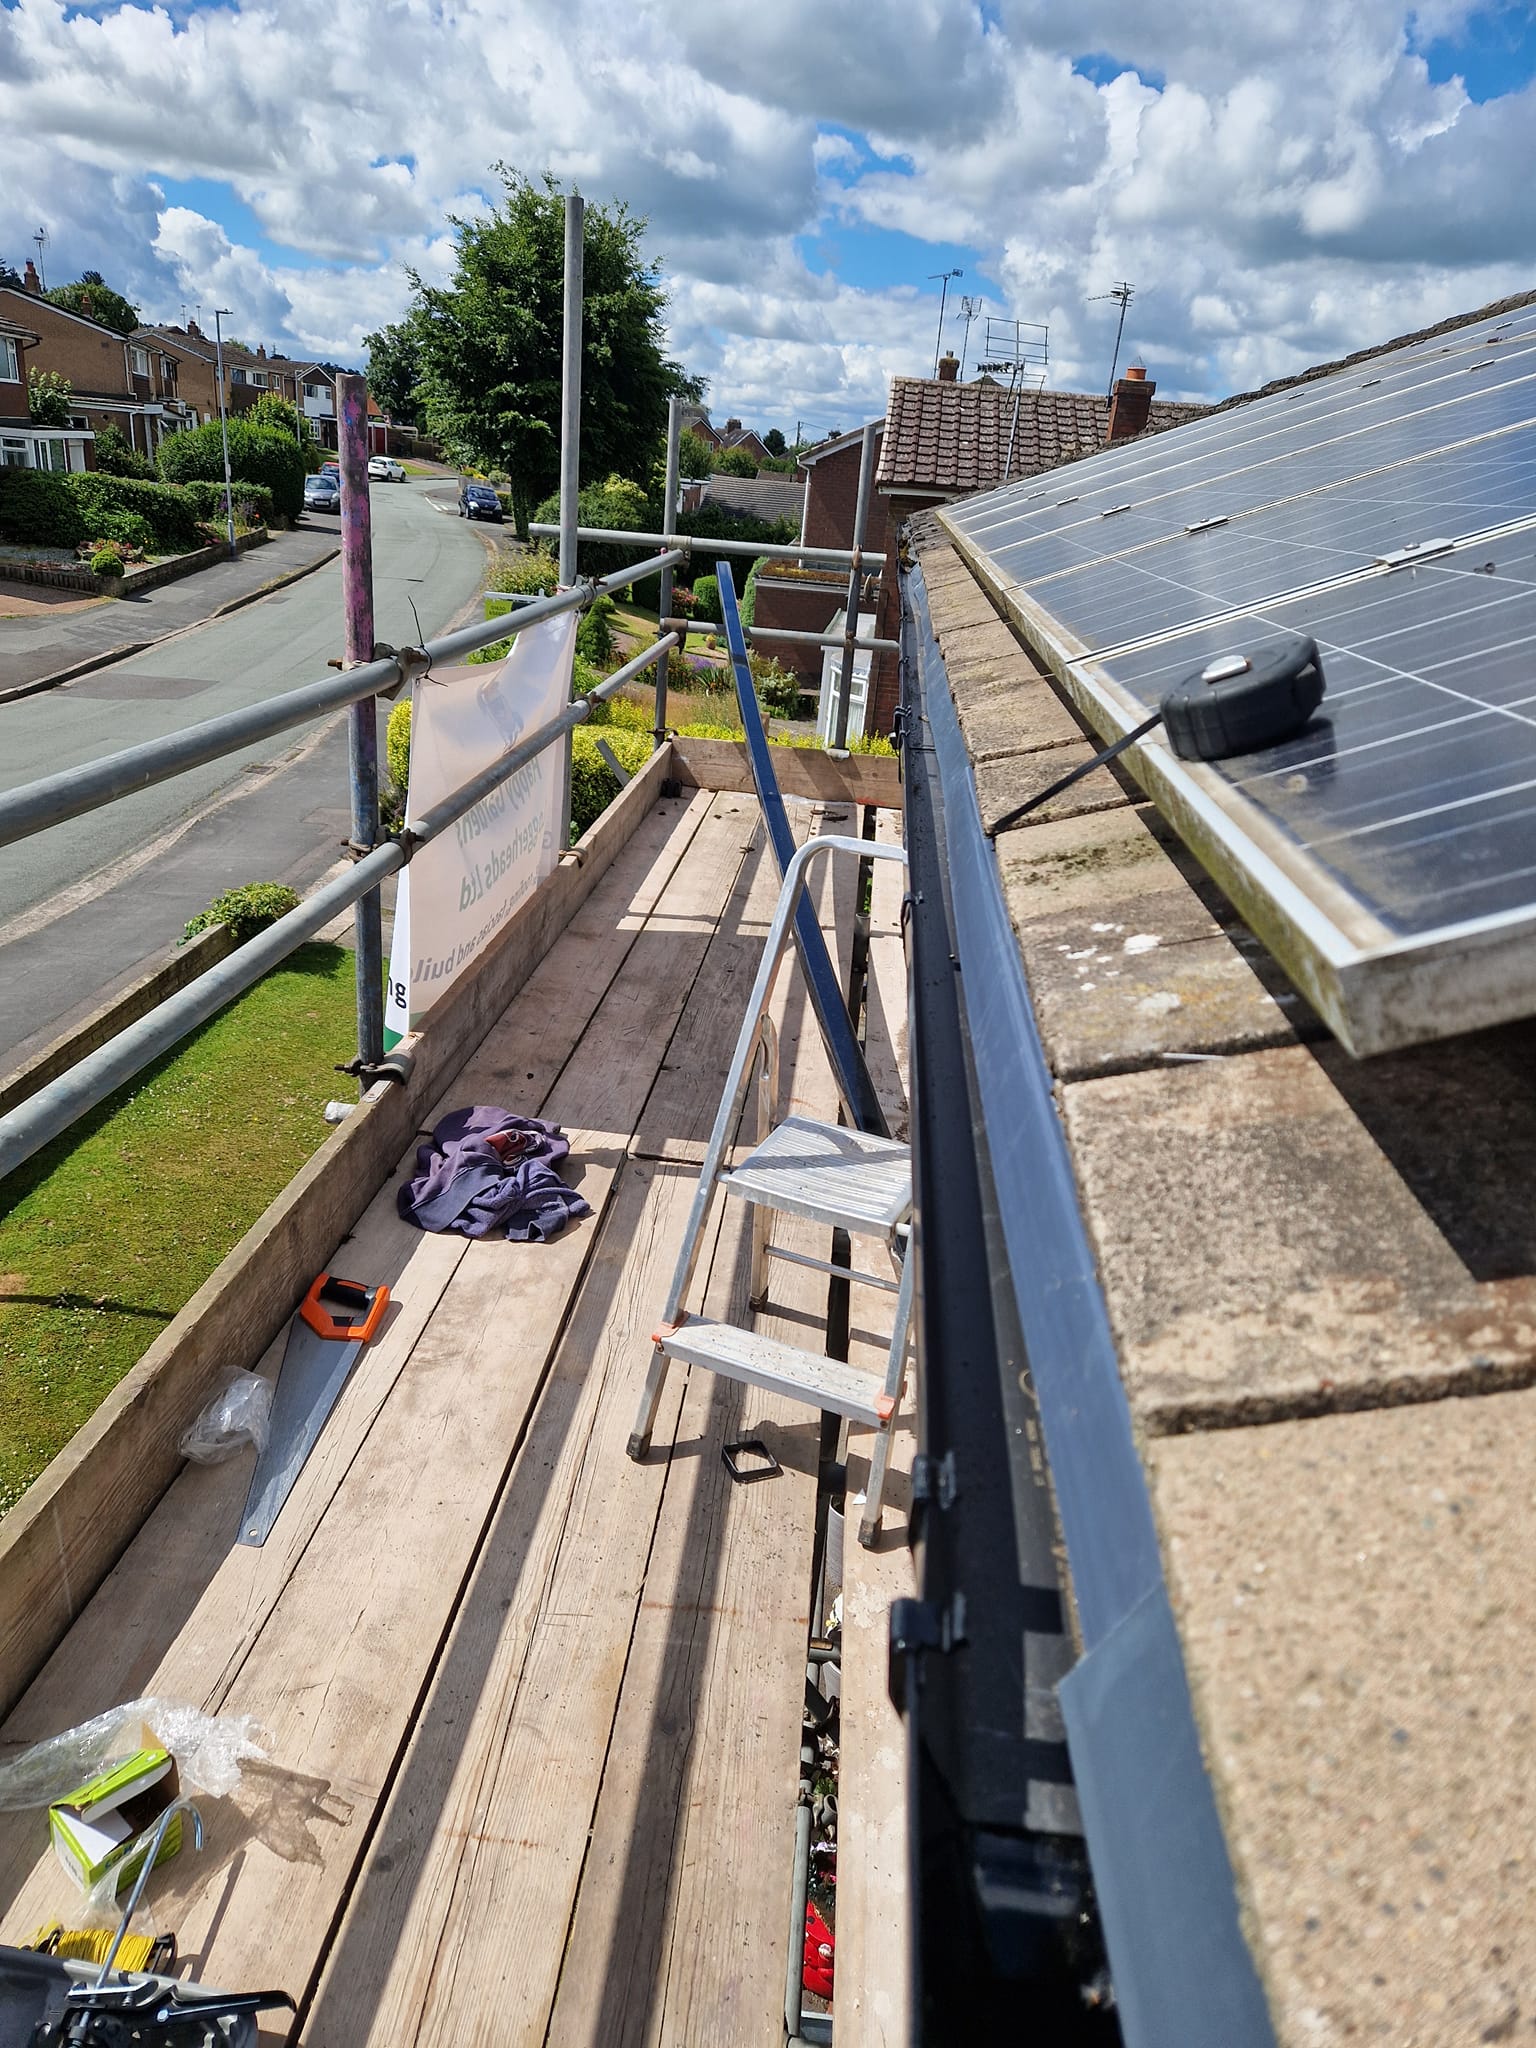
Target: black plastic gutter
[(1017, 1359)]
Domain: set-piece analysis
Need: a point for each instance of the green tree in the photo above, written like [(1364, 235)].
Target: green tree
[(490, 343), (115, 456), (91, 295), (279, 413), (257, 455), (394, 366), (775, 442), (735, 462), (695, 456), (48, 396)]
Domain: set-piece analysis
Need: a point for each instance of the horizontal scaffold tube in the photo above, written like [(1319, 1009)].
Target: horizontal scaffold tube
[(37, 1121), (55, 798), (769, 550)]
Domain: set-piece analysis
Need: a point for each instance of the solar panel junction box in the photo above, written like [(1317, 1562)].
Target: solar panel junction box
[(1242, 702)]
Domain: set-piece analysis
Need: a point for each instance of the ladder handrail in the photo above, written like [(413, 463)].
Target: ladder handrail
[(735, 1093)]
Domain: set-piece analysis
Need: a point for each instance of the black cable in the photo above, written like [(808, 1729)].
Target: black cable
[(1137, 732)]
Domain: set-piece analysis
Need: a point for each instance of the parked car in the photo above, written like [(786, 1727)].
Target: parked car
[(385, 470), (331, 469), (479, 501), (322, 492)]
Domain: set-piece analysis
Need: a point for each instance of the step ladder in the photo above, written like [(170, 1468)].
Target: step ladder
[(843, 1178)]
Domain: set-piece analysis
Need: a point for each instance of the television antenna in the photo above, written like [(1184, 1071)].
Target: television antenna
[(41, 239), (969, 308), (1018, 351), (941, 278), (1123, 294)]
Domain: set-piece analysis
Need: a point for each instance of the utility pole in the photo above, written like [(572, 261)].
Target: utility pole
[(941, 278), (221, 314)]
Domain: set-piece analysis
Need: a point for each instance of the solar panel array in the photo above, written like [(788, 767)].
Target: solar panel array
[(1389, 511)]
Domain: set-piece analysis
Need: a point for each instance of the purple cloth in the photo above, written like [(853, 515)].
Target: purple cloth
[(487, 1172)]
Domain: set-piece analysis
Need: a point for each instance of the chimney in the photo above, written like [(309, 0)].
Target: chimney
[(194, 331), (261, 351), (30, 281), (733, 426), (949, 367), (1131, 405)]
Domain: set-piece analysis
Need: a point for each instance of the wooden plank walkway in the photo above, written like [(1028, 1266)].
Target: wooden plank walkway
[(533, 1710)]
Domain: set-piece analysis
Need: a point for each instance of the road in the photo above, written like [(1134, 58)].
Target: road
[(87, 905)]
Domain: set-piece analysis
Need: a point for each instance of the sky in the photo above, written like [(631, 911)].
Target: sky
[(1281, 181)]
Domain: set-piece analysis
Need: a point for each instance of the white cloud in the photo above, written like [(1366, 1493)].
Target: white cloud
[(1281, 181)]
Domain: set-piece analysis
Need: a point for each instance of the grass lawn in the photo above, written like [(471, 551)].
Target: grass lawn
[(113, 1228)]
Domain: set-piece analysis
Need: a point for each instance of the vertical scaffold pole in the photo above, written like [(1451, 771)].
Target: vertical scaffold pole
[(570, 446), (357, 646), (668, 523), (855, 577)]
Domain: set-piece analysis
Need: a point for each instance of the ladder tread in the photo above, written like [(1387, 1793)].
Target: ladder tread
[(764, 1361), (828, 1173)]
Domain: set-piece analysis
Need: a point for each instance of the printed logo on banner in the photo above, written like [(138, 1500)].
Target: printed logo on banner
[(461, 888)]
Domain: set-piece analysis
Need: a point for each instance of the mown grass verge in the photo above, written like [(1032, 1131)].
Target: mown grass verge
[(107, 1233)]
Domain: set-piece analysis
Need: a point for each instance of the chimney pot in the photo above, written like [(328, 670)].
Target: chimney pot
[(30, 281), (733, 426), (949, 367), (1136, 372)]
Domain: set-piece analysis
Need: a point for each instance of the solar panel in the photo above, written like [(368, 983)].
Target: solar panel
[(1388, 853)]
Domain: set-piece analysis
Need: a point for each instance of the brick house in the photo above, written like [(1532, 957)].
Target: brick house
[(696, 420), (807, 600), (115, 380), (23, 443), (945, 439)]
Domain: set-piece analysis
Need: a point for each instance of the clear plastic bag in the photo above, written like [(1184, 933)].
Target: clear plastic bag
[(209, 1750), (240, 1415)]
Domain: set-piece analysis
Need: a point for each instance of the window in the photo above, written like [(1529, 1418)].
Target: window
[(138, 359), (10, 361), (13, 453), (50, 454), (237, 376), (259, 377)]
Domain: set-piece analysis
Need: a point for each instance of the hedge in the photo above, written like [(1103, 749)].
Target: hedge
[(253, 502), (38, 509), (261, 454), (104, 501), (593, 783)]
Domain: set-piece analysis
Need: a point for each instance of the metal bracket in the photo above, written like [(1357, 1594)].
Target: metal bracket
[(396, 1066), (766, 1465)]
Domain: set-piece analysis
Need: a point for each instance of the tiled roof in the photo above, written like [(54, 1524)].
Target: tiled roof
[(954, 437), (760, 497)]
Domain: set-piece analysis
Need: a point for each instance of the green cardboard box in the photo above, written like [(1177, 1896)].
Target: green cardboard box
[(94, 1827)]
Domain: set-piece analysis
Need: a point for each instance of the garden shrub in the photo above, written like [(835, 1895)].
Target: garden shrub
[(38, 509), (615, 503), (397, 745), (530, 572), (106, 561), (262, 455), (170, 517), (706, 599), (253, 502), (593, 784), (245, 911), (594, 636), (778, 690), (126, 527), (115, 456)]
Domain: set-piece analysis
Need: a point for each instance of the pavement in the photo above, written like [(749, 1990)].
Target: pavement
[(90, 905), (51, 638)]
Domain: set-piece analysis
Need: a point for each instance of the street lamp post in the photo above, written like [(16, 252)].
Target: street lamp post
[(941, 278), (220, 315)]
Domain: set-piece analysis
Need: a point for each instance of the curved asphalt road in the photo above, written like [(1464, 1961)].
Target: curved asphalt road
[(86, 906)]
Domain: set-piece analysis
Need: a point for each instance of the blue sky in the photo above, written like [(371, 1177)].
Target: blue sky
[(808, 180)]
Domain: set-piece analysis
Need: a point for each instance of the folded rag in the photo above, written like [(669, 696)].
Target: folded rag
[(487, 1172)]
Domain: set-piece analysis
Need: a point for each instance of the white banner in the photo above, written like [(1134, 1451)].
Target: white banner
[(461, 888)]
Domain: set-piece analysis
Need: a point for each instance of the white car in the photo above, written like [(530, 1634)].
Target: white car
[(384, 469)]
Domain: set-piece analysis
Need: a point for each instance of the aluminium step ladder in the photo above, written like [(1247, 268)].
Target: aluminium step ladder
[(844, 1178)]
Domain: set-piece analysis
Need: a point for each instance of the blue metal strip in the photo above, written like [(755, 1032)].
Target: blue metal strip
[(843, 1049), (1183, 1973)]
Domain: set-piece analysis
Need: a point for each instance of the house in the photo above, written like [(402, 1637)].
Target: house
[(24, 444), (754, 497), (696, 421), (317, 389), (809, 599), (944, 439), (115, 381)]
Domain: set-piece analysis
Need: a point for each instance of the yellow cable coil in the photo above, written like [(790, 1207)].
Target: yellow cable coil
[(90, 1945)]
